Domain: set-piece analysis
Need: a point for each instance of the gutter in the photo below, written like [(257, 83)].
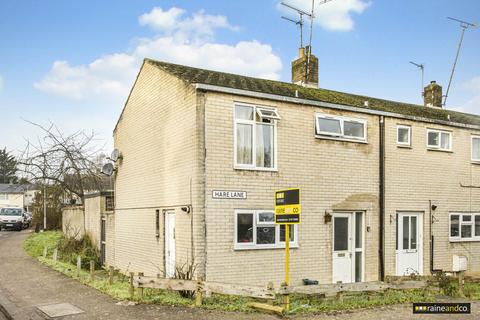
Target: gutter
[(276, 97), (381, 200)]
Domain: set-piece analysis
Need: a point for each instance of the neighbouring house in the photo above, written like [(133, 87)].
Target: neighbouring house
[(387, 188), (15, 195)]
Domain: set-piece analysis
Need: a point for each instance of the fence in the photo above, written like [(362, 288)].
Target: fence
[(202, 288)]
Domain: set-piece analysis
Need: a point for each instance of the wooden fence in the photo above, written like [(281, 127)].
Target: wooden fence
[(269, 292)]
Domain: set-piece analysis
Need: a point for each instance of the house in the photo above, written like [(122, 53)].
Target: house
[(11, 195), (387, 188)]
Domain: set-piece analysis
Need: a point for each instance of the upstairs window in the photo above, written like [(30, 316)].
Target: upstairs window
[(342, 128), (476, 148), (465, 227), (404, 135), (255, 137), (440, 140)]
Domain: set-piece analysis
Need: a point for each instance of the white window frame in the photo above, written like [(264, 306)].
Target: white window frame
[(409, 128), (253, 245), (460, 223), (438, 147), (341, 135), (257, 110), (471, 147)]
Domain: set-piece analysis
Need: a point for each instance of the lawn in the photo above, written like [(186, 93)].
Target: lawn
[(300, 304)]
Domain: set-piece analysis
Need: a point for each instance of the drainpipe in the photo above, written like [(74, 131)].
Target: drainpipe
[(381, 231), (432, 239)]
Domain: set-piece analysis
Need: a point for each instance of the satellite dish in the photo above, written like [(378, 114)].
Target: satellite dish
[(115, 155), (107, 169)]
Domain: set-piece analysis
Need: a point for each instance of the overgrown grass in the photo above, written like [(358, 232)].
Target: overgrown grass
[(35, 243), (300, 304)]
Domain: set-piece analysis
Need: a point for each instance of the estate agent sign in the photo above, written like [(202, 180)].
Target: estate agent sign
[(287, 206)]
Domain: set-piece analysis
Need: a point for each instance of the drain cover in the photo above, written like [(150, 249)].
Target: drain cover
[(59, 310)]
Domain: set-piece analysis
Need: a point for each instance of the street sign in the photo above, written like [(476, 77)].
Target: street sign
[(287, 206)]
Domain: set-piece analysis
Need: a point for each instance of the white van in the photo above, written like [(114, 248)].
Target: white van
[(12, 218)]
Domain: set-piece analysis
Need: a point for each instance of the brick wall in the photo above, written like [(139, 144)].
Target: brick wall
[(158, 137), (332, 176)]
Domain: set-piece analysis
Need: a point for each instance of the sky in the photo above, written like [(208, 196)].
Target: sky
[(73, 62)]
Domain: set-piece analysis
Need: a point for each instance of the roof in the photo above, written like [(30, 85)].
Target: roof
[(234, 81), (12, 188)]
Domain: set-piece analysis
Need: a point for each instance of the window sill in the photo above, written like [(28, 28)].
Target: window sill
[(439, 150), (255, 169), (253, 247), (464, 240), (475, 161), (404, 146), (340, 139)]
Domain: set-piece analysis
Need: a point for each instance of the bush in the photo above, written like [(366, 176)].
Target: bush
[(70, 248)]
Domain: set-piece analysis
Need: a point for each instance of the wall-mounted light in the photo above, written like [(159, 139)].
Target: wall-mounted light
[(328, 217), (434, 207), (186, 209)]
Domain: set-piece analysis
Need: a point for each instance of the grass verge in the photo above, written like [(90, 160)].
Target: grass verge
[(300, 304)]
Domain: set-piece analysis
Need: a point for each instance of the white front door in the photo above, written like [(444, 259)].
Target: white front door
[(409, 243), (170, 245), (348, 244)]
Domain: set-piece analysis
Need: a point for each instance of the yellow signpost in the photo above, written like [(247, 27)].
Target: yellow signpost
[(287, 212)]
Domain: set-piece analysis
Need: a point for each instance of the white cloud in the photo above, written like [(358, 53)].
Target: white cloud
[(334, 15), (473, 104), (200, 26), (184, 40)]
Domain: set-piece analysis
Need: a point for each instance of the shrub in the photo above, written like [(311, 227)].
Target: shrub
[(186, 271), (70, 248)]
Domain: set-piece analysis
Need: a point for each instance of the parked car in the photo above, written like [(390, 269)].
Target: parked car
[(12, 218), (27, 223)]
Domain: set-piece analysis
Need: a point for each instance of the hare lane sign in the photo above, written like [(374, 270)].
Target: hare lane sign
[(226, 194)]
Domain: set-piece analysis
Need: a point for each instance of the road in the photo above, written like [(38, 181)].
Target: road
[(26, 284)]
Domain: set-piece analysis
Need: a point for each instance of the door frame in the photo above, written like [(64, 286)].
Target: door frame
[(420, 232), (103, 240), (352, 217), (166, 240)]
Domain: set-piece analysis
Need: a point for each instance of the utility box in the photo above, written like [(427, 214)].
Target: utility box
[(460, 263)]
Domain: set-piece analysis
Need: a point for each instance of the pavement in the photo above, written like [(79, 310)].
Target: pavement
[(26, 285)]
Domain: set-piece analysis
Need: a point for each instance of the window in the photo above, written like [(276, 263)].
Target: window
[(256, 229), (441, 140), (476, 148), (255, 131), (341, 128), (404, 135), (157, 224), (109, 203), (3, 196), (465, 227)]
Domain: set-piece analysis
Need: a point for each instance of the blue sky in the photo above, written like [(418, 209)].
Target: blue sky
[(73, 62)]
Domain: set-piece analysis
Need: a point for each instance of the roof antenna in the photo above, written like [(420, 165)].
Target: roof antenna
[(464, 25), (421, 66), (299, 22)]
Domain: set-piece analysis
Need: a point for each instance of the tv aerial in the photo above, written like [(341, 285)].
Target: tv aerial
[(420, 66), (298, 22), (464, 25)]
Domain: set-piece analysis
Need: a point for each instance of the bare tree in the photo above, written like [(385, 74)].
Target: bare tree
[(67, 160)]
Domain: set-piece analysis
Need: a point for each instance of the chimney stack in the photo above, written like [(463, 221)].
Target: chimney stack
[(305, 68), (432, 95)]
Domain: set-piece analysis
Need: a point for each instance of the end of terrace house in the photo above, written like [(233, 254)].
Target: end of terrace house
[(387, 188)]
